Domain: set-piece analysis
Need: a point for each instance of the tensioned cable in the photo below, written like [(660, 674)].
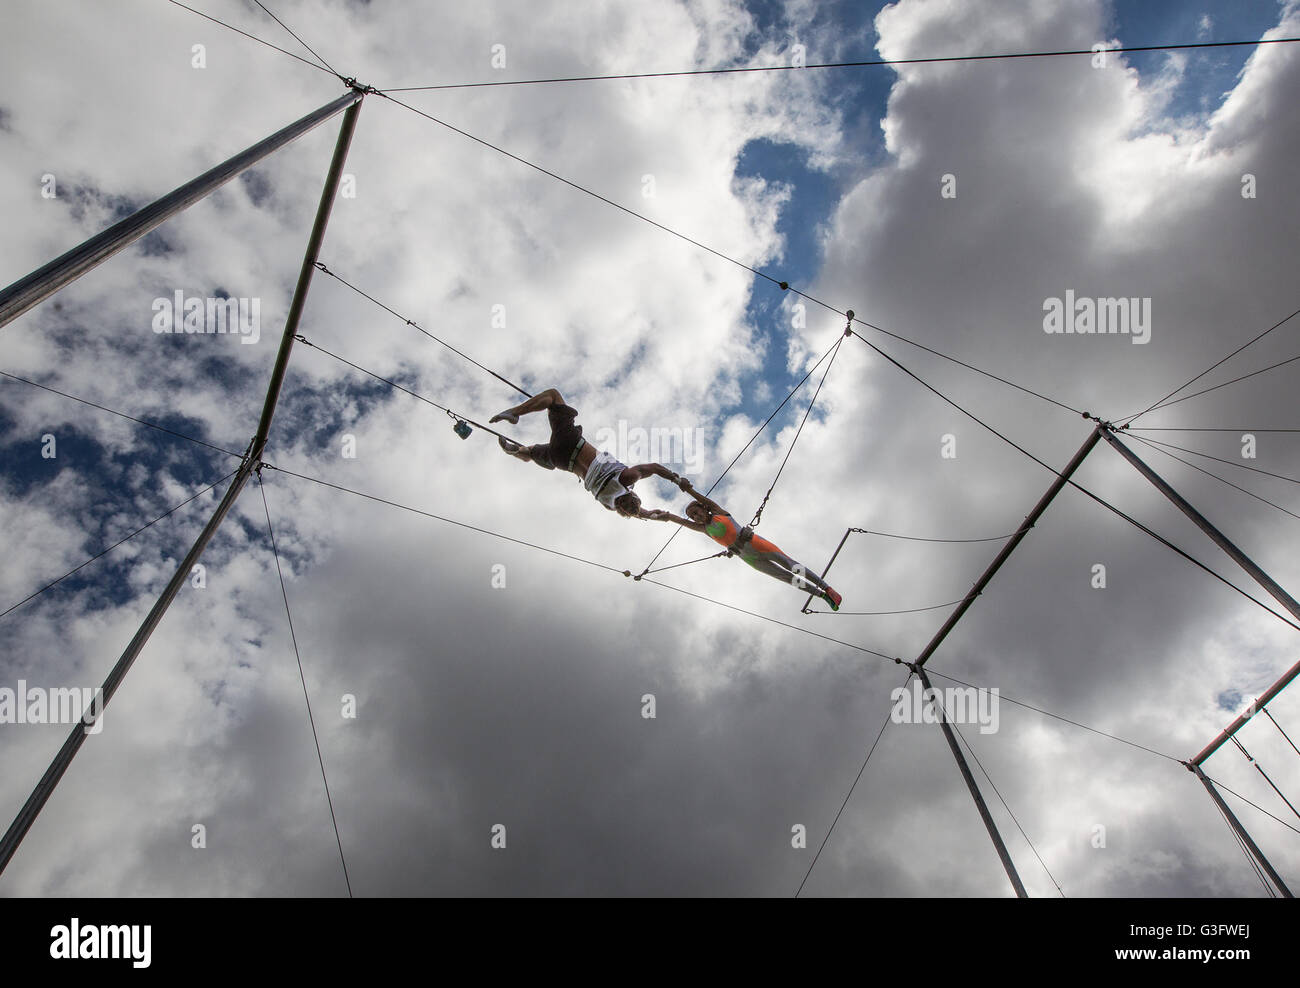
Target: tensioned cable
[(737, 457), (1260, 769), (1250, 858), (910, 610), (916, 538), (1175, 428), (578, 559), (321, 68), (1205, 391), (393, 384), (977, 370), (998, 792), (849, 795), (664, 569), (1161, 402), (1283, 733), (411, 322), (1256, 806), (1210, 473), (128, 538), (112, 411), (296, 37), (741, 610), (1106, 504), (758, 515), (303, 676), (783, 285), (429, 514), (1118, 50), (1048, 713), (1231, 463)]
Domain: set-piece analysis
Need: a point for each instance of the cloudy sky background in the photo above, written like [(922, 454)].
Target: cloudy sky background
[(521, 705)]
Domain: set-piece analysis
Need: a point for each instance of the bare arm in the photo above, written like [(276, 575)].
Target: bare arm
[(659, 515), (711, 506), (632, 474)]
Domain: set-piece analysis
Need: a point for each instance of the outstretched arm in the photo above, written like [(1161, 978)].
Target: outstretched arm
[(537, 403), (711, 506), (660, 515), (632, 474)]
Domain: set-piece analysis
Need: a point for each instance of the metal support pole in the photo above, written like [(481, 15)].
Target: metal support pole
[(975, 793), (823, 573), (252, 458), (1030, 520), (1259, 704), (1241, 832), (1242, 560), (27, 292)]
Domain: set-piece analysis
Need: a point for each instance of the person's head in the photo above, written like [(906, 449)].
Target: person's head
[(697, 513), (628, 505)]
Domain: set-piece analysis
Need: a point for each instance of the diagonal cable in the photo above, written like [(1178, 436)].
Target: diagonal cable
[(303, 676)]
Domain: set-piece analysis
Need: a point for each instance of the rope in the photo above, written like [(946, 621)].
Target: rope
[(848, 795), (412, 323), (128, 538), (104, 408), (1005, 806), (835, 352), (303, 676), (1118, 50)]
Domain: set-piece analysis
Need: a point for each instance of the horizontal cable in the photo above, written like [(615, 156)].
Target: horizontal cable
[(738, 70), (910, 610), (1174, 428), (916, 538)]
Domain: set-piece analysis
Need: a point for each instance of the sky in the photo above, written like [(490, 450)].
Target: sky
[(482, 702)]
